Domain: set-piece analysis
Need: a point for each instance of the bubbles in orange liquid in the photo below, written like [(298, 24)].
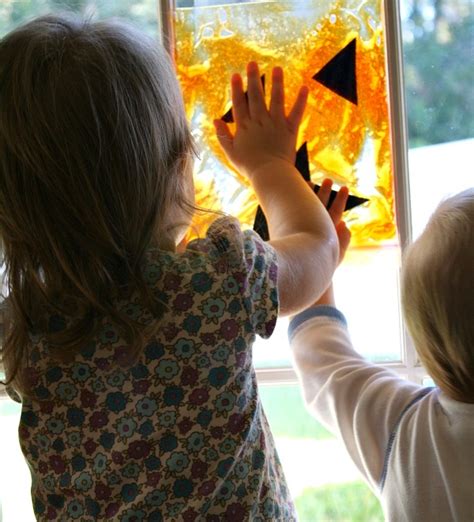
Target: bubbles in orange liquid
[(346, 142)]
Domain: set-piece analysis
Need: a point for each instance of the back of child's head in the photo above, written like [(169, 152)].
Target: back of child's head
[(438, 296), (94, 149)]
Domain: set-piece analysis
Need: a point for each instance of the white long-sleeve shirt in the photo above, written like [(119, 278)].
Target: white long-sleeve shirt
[(413, 445)]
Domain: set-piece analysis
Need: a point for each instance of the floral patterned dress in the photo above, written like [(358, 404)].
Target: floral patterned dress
[(180, 434)]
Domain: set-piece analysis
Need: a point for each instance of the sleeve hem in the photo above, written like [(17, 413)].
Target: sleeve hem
[(323, 311)]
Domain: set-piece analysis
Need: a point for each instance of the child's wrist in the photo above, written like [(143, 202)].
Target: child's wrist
[(270, 165), (327, 297)]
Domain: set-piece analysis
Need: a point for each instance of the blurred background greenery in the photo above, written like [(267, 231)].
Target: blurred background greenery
[(278, 401), (141, 12), (439, 70), (351, 501)]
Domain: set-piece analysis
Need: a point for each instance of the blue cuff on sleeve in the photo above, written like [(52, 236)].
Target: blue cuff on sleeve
[(315, 311)]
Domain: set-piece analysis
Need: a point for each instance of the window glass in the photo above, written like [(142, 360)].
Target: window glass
[(367, 292), (428, 382), (339, 54), (439, 73), (15, 499), (141, 12), (323, 480), (346, 139)]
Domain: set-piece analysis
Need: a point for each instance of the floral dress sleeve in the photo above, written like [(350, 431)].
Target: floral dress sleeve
[(243, 259)]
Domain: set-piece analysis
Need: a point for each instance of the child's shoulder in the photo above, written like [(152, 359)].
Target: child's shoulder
[(229, 271), (223, 237), (229, 264), (226, 242)]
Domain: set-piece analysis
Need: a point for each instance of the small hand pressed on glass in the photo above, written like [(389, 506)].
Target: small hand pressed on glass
[(336, 210), (262, 134)]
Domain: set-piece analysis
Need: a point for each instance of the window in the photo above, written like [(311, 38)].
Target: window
[(328, 486), (15, 500), (214, 40), (438, 72)]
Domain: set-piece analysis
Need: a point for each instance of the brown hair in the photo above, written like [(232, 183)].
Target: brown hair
[(438, 296), (94, 151)]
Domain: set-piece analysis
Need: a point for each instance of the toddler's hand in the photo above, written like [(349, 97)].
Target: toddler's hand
[(262, 135), (335, 211), (343, 233)]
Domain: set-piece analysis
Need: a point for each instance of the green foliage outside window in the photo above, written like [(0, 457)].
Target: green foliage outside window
[(439, 71), (143, 13), (351, 502)]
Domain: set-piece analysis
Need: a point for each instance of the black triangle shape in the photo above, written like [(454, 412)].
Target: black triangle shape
[(302, 164), (339, 74), (260, 224), (228, 116), (352, 201)]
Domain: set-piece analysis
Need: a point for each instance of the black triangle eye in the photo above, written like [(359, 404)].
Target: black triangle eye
[(339, 74)]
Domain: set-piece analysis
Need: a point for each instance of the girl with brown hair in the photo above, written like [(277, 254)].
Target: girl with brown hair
[(132, 360)]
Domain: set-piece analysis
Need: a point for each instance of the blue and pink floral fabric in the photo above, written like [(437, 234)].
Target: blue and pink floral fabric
[(180, 434)]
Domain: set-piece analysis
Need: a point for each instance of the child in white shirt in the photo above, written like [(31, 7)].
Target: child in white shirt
[(413, 445)]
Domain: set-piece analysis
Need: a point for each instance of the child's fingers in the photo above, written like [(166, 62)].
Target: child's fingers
[(240, 110), (324, 191), (277, 102), (344, 237), (339, 204), (296, 114), (257, 107), (224, 136)]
